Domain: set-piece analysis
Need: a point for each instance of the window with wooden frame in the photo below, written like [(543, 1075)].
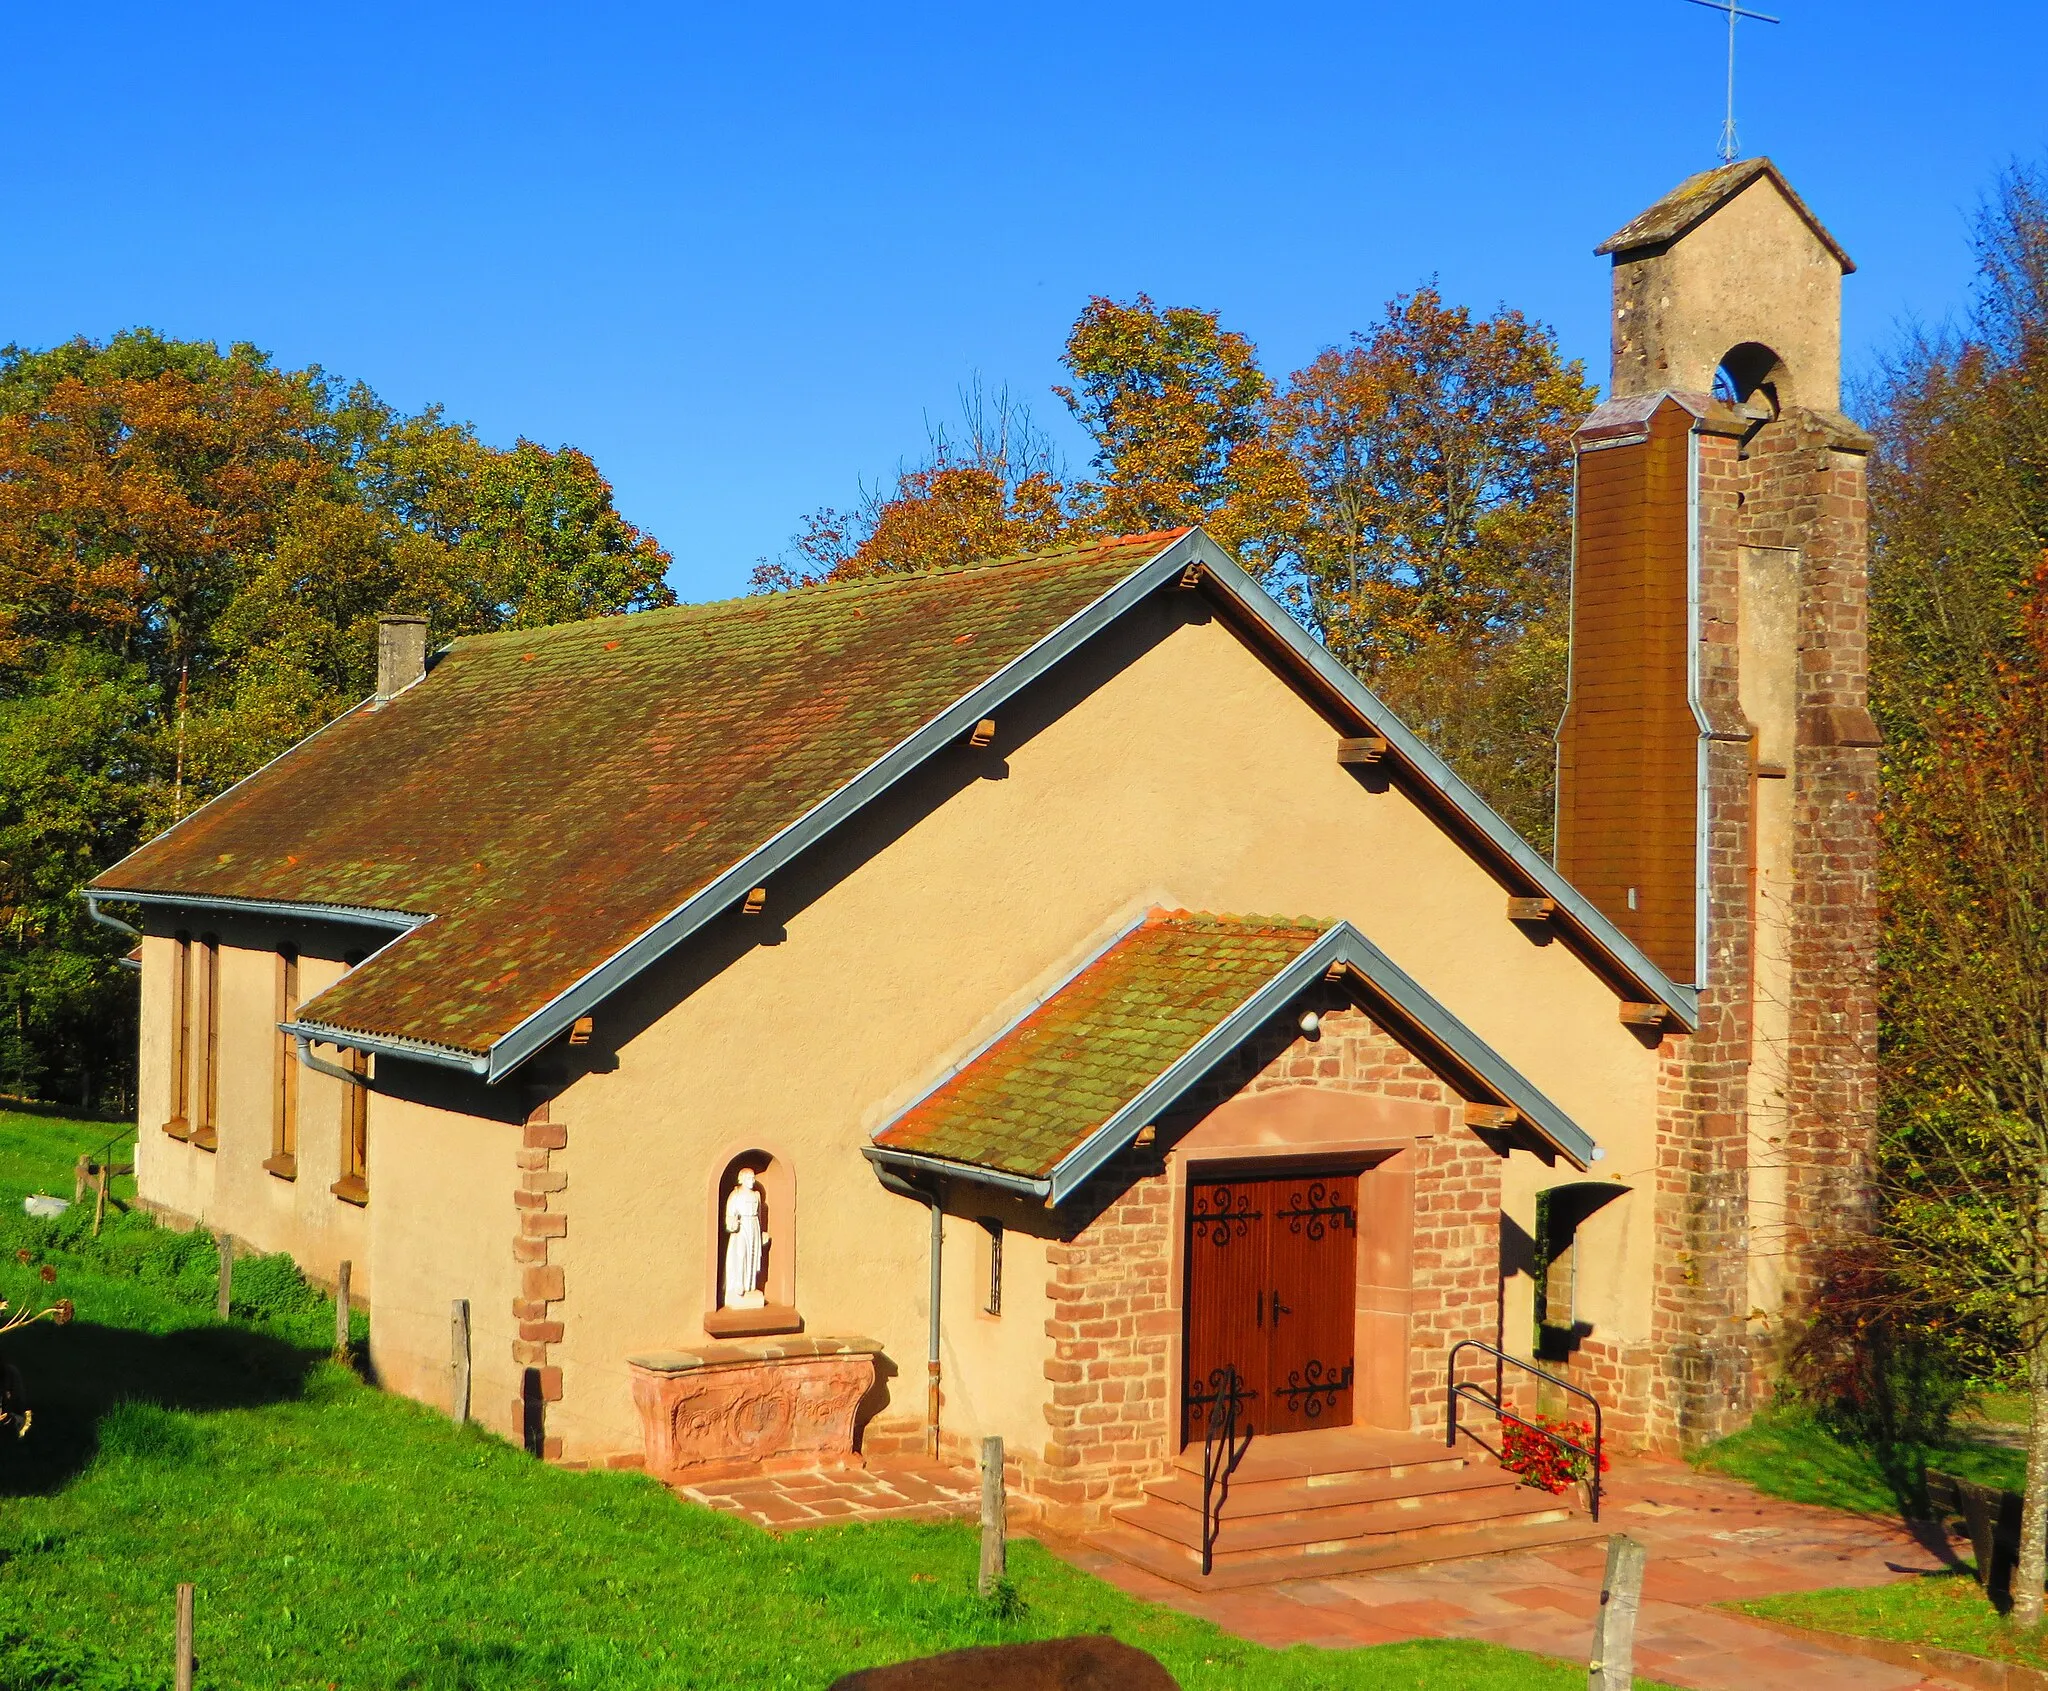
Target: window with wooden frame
[(206, 1044), (178, 1124), (283, 1160), (354, 1185)]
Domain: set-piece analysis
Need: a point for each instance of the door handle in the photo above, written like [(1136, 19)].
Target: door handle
[(1279, 1308)]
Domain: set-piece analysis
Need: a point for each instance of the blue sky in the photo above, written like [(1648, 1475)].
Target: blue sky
[(741, 254)]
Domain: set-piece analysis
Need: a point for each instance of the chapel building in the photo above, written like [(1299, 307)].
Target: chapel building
[(1055, 999)]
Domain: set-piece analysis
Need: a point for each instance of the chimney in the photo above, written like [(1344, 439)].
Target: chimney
[(401, 654)]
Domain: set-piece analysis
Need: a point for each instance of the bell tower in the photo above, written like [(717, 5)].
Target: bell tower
[(1717, 764)]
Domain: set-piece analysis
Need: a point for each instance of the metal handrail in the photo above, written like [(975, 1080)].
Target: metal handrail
[(1221, 1453), (1477, 1394)]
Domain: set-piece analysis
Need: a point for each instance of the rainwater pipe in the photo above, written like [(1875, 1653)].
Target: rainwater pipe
[(934, 1200), (92, 909), (320, 1065), (931, 1413)]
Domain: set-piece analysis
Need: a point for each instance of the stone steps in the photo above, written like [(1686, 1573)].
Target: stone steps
[(1339, 1500)]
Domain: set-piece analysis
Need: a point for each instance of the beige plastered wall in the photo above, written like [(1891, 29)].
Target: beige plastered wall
[(1752, 272), (1168, 766), (227, 1189)]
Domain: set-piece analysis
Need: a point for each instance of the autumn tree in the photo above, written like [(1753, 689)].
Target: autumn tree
[(991, 486), (194, 549), (1963, 1162), (1431, 549), (1176, 408), (1959, 487)]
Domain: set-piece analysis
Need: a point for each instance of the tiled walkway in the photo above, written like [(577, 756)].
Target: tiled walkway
[(903, 1491), (1709, 1540)]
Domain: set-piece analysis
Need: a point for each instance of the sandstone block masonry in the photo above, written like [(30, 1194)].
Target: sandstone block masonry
[(1114, 1395), (540, 1201)]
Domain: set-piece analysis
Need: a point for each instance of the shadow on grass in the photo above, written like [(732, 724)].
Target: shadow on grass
[(77, 1375)]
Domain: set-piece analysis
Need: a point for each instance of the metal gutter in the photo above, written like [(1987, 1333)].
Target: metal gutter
[(1695, 699), (581, 999), (276, 910), (1342, 945), (389, 1045), (760, 865), (946, 1168), (554, 1018)]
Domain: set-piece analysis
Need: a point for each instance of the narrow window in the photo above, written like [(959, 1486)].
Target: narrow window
[(284, 1124), (354, 1185), (992, 1260), (179, 1124), (206, 1082)]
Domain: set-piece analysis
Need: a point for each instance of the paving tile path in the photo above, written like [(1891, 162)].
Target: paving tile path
[(902, 1491), (1709, 1540)]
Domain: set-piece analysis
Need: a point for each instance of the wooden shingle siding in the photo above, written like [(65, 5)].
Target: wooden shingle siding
[(1627, 803)]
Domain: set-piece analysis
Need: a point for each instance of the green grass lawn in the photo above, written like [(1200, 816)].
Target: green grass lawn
[(343, 1539), (1790, 1454), (1945, 1611)]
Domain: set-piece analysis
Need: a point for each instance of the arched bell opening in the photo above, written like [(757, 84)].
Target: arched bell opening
[(1750, 376)]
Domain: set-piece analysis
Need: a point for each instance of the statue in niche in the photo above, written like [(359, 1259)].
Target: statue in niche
[(745, 1244)]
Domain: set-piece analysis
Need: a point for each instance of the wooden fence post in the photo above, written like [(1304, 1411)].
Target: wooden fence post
[(341, 1313), (184, 1662), (458, 1345), (994, 1522), (1613, 1663), (227, 1274)]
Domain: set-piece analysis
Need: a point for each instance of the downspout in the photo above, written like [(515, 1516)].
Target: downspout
[(931, 1413), (934, 1199), (319, 1065), (92, 909)]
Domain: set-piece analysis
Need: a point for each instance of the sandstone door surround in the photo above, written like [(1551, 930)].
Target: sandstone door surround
[(731, 1407)]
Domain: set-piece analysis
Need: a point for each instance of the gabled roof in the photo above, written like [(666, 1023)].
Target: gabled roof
[(552, 811), (1071, 1083), (1697, 198), (547, 796)]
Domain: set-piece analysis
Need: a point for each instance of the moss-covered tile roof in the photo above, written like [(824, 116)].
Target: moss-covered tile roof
[(1042, 1089), (547, 796), (1696, 198)]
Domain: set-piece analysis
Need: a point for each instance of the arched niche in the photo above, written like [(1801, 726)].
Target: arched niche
[(1750, 374), (776, 1182)]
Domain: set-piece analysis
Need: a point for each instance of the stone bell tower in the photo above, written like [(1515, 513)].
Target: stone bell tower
[(1717, 764)]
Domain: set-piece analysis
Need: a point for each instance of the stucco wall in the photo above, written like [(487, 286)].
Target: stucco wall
[(1169, 766), (1754, 272), (227, 1189)]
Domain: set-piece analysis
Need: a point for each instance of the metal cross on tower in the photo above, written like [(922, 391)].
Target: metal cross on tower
[(1734, 11)]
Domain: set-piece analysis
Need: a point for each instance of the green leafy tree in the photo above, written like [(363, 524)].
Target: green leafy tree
[(194, 549), (1960, 684), (1431, 548), (1964, 1161)]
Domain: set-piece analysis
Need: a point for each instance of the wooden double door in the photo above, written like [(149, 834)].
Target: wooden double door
[(1272, 1291)]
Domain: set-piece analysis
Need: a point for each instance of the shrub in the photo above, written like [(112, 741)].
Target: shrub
[(1542, 1463)]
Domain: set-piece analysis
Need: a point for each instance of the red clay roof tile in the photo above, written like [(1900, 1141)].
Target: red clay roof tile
[(1041, 1090), (548, 795)]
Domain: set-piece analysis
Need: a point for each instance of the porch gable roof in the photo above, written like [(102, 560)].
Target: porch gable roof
[(1073, 1081)]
